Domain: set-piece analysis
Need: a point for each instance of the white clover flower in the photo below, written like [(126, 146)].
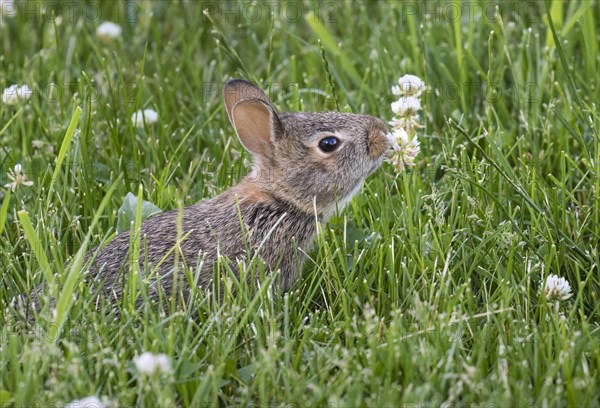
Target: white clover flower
[(408, 123), (108, 31), (17, 178), (148, 363), (87, 402), (16, 94), (403, 139), (406, 106), (557, 288), (409, 85), (7, 8), (405, 149), (147, 116), (37, 144)]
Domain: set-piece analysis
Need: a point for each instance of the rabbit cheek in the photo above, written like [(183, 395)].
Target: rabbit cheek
[(324, 162)]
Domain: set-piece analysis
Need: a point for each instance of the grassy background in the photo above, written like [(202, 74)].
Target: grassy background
[(424, 290)]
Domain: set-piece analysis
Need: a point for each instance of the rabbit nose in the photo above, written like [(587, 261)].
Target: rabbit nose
[(377, 144)]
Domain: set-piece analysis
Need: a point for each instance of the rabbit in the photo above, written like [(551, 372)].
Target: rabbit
[(305, 166)]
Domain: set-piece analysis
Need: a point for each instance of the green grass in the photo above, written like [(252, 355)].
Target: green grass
[(424, 290)]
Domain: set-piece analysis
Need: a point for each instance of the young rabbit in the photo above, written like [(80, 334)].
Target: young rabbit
[(305, 166)]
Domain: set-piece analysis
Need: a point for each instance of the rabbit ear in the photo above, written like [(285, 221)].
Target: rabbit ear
[(238, 90), (253, 116)]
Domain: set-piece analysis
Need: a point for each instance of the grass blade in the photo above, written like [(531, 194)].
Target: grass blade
[(65, 300), (329, 42), (4, 210), (35, 244), (64, 147)]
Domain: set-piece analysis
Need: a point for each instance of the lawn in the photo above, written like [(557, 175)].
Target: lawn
[(429, 288)]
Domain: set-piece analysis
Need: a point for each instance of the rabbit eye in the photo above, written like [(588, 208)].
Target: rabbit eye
[(329, 144)]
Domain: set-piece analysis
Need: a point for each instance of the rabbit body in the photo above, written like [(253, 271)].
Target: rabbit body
[(295, 183), (212, 228)]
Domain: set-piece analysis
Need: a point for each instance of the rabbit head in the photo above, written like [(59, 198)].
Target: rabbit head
[(317, 161)]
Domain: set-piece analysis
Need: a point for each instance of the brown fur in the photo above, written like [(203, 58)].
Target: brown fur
[(292, 186)]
